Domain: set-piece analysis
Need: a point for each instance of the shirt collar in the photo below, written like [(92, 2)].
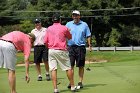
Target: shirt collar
[(56, 23), (78, 23), (37, 29)]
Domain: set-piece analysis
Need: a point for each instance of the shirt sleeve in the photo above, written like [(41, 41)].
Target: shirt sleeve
[(46, 38), (68, 34), (67, 25), (88, 33)]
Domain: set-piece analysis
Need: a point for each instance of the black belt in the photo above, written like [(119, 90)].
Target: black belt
[(8, 41), (39, 46)]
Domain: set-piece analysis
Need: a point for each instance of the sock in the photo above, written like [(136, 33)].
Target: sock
[(39, 75), (47, 73), (55, 90), (73, 88)]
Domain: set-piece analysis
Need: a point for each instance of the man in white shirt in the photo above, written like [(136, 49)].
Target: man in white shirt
[(40, 51)]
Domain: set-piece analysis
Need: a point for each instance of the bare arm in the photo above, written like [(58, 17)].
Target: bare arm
[(89, 43), (69, 36), (26, 60)]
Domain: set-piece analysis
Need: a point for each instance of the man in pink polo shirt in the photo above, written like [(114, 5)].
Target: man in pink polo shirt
[(9, 44), (55, 40)]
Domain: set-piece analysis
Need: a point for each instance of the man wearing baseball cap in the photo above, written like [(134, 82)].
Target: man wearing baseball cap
[(56, 39), (76, 12), (40, 51), (77, 50)]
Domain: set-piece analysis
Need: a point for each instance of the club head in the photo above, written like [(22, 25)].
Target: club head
[(58, 83), (88, 69)]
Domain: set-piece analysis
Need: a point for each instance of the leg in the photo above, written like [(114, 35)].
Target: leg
[(72, 58), (71, 80), (9, 55), (38, 68), (81, 63), (81, 73), (54, 80), (70, 77), (47, 71), (38, 60), (72, 68), (46, 67), (45, 59), (12, 80)]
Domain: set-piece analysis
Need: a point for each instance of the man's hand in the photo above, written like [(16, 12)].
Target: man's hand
[(90, 48), (69, 29), (27, 78)]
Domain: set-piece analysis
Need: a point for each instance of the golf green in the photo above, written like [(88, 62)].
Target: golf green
[(119, 76)]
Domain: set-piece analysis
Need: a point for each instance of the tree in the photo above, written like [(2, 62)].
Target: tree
[(107, 19), (114, 38)]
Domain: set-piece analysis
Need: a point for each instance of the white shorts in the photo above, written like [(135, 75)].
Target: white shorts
[(7, 55), (59, 57)]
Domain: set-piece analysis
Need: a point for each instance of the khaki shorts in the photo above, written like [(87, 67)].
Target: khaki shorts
[(7, 55), (59, 57)]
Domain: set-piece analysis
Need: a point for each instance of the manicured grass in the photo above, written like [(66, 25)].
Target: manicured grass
[(121, 74)]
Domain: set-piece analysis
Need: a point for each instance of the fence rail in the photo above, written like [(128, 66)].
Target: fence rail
[(131, 48)]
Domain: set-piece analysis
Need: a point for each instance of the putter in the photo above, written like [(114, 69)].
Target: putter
[(88, 69), (58, 83)]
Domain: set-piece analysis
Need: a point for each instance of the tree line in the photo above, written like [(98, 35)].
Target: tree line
[(112, 22)]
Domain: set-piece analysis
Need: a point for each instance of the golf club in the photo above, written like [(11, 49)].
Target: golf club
[(88, 69)]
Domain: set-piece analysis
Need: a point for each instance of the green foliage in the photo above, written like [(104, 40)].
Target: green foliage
[(29, 15), (26, 26), (132, 32), (3, 7), (114, 38), (103, 21), (7, 29)]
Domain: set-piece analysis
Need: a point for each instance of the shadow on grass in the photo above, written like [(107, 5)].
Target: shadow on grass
[(92, 85), (87, 86)]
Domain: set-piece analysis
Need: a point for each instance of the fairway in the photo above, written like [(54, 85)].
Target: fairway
[(121, 74)]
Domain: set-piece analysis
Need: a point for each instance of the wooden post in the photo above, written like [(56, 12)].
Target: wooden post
[(114, 48), (131, 48), (98, 48)]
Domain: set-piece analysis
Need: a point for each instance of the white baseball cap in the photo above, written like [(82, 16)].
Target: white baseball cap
[(76, 12)]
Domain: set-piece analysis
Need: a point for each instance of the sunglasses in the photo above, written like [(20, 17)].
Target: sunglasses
[(37, 22)]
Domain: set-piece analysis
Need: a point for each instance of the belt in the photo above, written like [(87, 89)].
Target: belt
[(8, 41), (39, 45), (76, 46)]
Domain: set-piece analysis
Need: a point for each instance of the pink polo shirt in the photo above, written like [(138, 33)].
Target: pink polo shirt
[(56, 36), (20, 40)]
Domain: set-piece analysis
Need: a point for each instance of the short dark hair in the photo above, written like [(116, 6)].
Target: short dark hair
[(56, 17)]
